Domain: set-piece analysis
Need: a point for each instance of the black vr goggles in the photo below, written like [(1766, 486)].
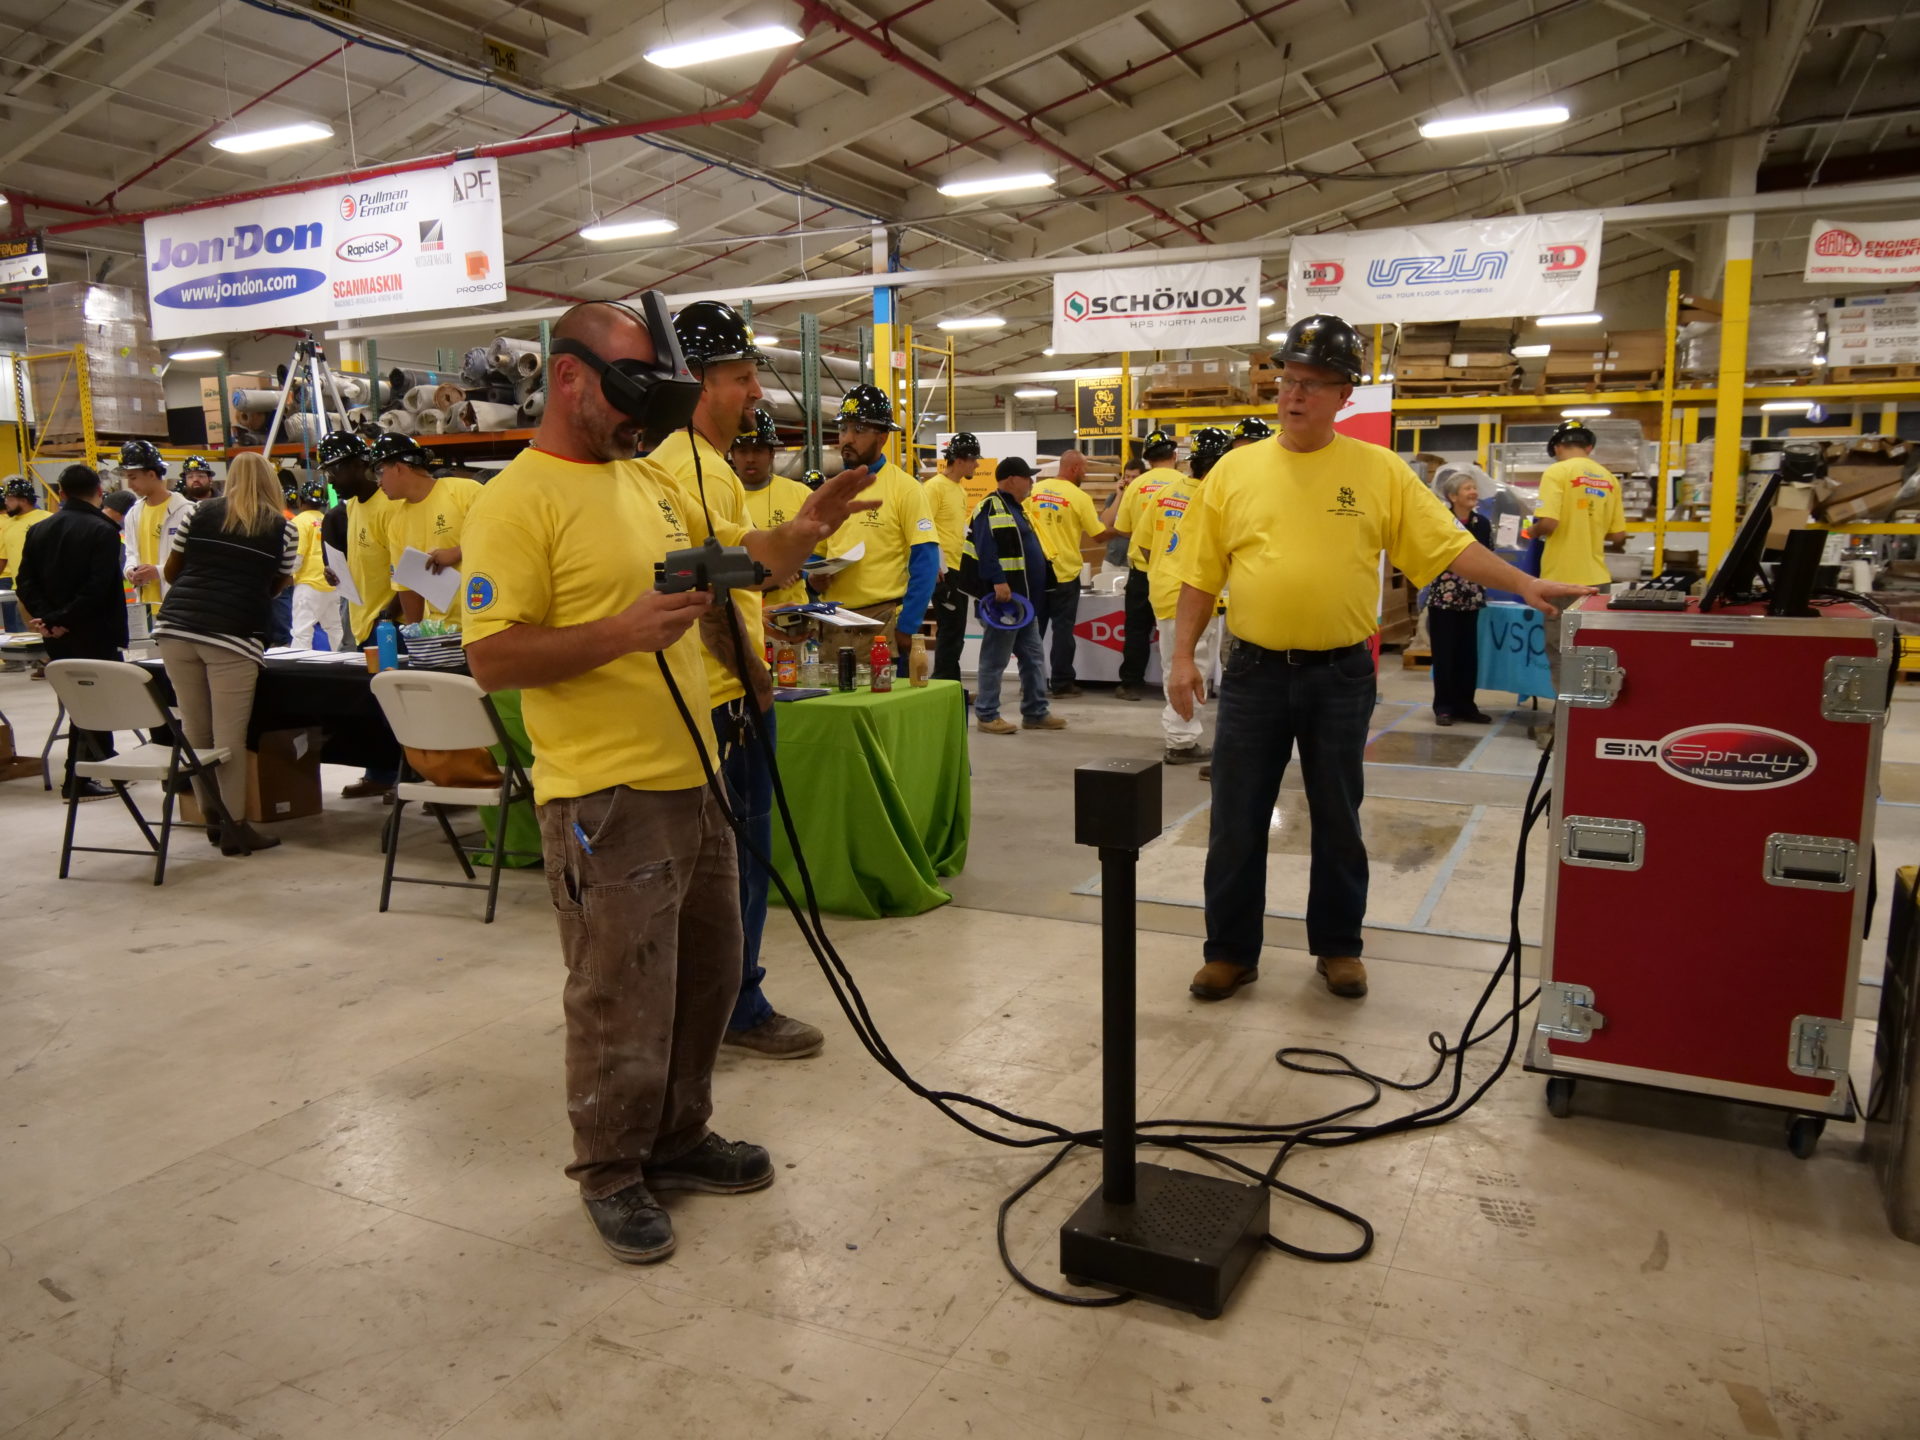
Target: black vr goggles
[(660, 395)]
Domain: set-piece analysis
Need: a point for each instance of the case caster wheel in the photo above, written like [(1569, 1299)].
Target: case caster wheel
[(1560, 1096), (1803, 1134)]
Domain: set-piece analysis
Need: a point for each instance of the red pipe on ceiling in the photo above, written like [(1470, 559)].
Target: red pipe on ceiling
[(815, 12)]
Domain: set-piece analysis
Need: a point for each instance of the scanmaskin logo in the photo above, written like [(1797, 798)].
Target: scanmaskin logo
[(1076, 306)]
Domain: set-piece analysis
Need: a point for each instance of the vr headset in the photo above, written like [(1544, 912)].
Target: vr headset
[(659, 396)]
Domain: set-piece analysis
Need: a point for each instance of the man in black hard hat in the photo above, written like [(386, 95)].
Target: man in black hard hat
[(947, 502), (196, 478), (315, 605), (718, 344), (894, 578), (429, 515), (1292, 532), (1250, 429), (1132, 516), (154, 526), (772, 498), (357, 529)]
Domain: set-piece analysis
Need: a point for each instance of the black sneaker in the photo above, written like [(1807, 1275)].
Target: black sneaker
[(1188, 754), (85, 790), (715, 1167), (632, 1225)]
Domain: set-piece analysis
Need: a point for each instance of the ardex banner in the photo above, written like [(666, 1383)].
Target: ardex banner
[(1848, 252), (1157, 307), (425, 240), (1479, 269)]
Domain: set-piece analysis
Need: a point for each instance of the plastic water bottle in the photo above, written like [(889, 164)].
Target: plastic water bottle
[(387, 639), (810, 663)]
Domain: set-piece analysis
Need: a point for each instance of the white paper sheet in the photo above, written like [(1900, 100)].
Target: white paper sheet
[(342, 576), (439, 591), (818, 568)]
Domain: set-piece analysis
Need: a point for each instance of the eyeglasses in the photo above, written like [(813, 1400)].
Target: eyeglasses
[(1310, 387)]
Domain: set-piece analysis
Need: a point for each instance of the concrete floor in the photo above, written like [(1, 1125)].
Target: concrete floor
[(274, 1165)]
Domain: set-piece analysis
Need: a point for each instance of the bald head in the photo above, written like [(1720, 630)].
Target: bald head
[(1073, 465), (579, 422)]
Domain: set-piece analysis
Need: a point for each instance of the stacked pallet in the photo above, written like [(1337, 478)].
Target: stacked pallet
[(124, 367), (1263, 375), (1617, 360), (1467, 357), (1192, 384), (1783, 343), (1874, 337)]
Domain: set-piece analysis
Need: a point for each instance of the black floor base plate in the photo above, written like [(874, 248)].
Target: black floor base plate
[(1186, 1240)]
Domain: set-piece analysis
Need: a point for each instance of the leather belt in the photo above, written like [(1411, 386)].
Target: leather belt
[(1305, 657)]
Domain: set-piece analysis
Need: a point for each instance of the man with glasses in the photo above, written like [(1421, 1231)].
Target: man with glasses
[(1292, 530)]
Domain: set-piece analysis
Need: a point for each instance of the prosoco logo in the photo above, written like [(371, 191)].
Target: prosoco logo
[(1075, 306), (364, 249), (1722, 757)]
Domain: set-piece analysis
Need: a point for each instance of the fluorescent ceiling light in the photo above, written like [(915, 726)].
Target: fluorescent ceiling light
[(1386, 377), (1528, 119), (1278, 337), (196, 355), (1819, 337), (1531, 352), (723, 47), (1586, 412), (1585, 318), (973, 322), (1788, 407), (1047, 351), (627, 229), (760, 339), (994, 184), (248, 142), (1266, 302), (1036, 394)]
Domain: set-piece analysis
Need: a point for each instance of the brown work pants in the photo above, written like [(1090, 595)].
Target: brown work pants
[(647, 892)]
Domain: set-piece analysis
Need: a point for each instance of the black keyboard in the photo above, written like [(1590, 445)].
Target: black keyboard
[(1648, 598)]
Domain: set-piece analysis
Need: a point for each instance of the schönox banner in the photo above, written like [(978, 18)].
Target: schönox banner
[(425, 240), (1157, 307), (1479, 269)]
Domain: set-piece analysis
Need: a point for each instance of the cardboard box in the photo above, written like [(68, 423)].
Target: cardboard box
[(283, 779), (1849, 482), (1792, 510)]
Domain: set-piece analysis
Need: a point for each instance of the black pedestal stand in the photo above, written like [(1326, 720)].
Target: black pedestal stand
[(1171, 1235)]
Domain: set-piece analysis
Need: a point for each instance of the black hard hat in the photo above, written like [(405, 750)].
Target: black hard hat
[(313, 492), (196, 463), (142, 455), (1012, 465), (869, 405), (1209, 444), (1159, 444), (340, 446), (1570, 435), (711, 331), (290, 487), (813, 479), (963, 445), (1253, 428), (762, 432), (21, 488), (1326, 341), (404, 449)]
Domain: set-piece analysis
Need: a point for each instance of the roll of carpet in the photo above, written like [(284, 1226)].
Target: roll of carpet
[(360, 415), (420, 397), (485, 415), (404, 379), (446, 396), (500, 392), (506, 353), (358, 389), (259, 401), (474, 366), (430, 421), (529, 365), (533, 407), (399, 422), (302, 426)]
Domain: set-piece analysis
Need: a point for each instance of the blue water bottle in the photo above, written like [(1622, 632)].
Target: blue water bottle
[(388, 639)]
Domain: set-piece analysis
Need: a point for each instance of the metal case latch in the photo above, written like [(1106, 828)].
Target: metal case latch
[(1603, 844), (1854, 689), (1590, 676), (1810, 862), (1567, 1013), (1819, 1047)]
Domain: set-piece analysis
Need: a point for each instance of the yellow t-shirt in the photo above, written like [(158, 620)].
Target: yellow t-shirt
[(311, 568), (1167, 507), (153, 519), (555, 542), (1134, 518), (1062, 515), (947, 503), (6, 523), (434, 523), (13, 540), (726, 502), (1584, 496), (1295, 540), (770, 507), (368, 562), (889, 533)]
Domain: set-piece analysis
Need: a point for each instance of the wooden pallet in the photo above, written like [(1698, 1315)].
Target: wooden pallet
[(1412, 659), (1168, 398), (1435, 388), (1599, 380), (1867, 374)]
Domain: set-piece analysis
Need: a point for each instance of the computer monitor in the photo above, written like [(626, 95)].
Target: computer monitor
[(1733, 583)]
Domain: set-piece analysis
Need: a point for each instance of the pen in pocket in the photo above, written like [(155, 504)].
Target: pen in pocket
[(581, 836)]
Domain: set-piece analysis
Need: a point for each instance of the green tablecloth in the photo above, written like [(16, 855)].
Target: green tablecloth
[(523, 829), (881, 794)]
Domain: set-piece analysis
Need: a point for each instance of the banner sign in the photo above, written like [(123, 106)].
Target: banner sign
[(1157, 307), (1476, 270), (23, 265), (1368, 415), (1863, 253), (425, 240), (1096, 406)]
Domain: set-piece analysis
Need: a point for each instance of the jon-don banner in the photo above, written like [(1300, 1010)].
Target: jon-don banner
[(1852, 252), (425, 240), (1156, 307), (1477, 270)]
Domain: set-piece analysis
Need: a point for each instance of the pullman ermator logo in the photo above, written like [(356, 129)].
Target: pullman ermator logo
[(1722, 757)]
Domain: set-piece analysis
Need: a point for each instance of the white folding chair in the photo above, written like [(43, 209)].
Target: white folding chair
[(112, 695), (441, 710)]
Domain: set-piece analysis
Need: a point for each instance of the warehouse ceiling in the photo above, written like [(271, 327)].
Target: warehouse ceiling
[(1162, 124)]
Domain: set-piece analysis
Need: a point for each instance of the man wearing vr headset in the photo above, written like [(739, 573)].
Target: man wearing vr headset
[(559, 553)]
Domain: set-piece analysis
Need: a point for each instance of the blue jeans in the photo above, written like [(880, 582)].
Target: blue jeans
[(995, 647), (1267, 706), (750, 790)]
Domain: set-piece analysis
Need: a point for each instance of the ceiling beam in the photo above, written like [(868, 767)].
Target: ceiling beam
[(1718, 37)]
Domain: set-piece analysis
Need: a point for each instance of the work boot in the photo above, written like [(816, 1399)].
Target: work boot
[(85, 790), (1443, 719), (364, 789), (1345, 976), (997, 726), (1205, 773), (778, 1037), (1217, 979), (1187, 754), (632, 1225), (1045, 722), (715, 1167), (1130, 692), (1063, 689), (1476, 717)]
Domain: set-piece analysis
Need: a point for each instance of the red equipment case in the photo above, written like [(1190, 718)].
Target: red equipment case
[(1714, 781)]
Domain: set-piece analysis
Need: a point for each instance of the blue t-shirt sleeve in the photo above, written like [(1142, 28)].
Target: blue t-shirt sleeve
[(923, 569)]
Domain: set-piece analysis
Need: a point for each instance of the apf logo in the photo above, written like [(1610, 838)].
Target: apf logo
[(348, 207), (1076, 306), (1837, 242)]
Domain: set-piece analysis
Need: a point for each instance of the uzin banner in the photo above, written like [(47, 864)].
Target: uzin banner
[(1156, 307), (1852, 252), (1479, 269), (425, 240)]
